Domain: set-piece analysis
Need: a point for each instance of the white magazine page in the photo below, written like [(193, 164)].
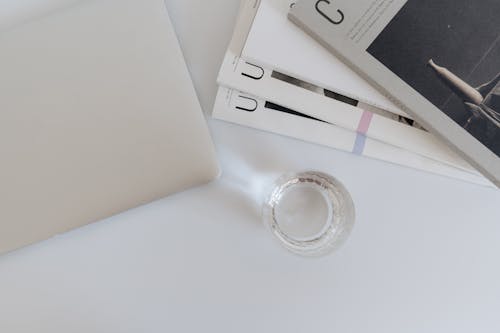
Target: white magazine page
[(277, 43), (247, 110), (239, 74)]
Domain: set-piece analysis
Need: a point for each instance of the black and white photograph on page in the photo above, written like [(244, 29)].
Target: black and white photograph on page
[(449, 51)]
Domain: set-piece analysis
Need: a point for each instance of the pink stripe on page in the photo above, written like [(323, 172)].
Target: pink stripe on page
[(364, 123)]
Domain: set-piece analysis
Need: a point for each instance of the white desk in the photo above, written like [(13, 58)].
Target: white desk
[(423, 257)]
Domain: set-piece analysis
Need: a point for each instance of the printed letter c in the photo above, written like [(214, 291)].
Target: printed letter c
[(322, 13)]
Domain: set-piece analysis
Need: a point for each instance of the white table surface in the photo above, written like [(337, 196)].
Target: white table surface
[(424, 255)]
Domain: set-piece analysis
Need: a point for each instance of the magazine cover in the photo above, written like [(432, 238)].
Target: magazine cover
[(439, 60)]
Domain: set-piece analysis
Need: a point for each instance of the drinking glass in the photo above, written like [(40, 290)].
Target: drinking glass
[(310, 213)]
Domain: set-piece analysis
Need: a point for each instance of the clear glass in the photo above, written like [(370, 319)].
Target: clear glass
[(310, 213)]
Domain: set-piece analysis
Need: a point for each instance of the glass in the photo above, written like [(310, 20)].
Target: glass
[(310, 213)]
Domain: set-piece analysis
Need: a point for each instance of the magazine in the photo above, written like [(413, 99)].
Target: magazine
[(248, 110), (439, 61)]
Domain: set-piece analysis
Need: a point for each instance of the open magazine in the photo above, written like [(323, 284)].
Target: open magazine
[(439, 61)]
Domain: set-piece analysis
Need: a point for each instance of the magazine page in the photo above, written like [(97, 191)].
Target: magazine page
[(438, 60)]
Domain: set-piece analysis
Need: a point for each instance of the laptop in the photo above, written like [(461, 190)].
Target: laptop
[(97, 115)]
